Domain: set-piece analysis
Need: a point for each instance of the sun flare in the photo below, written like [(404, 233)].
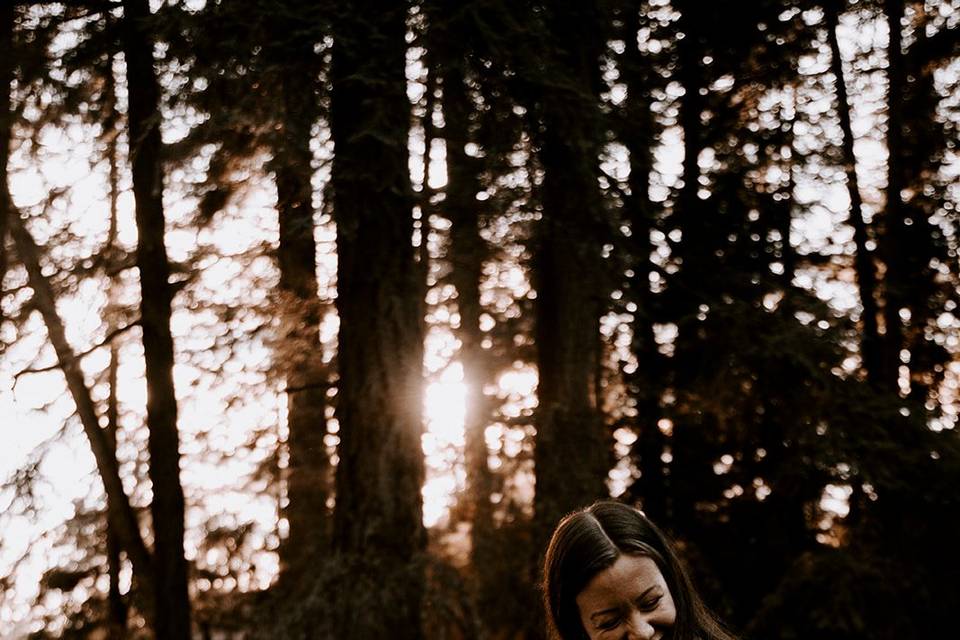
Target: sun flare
[(444, 405)]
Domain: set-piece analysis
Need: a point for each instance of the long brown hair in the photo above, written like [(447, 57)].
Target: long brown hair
[(590, 540)]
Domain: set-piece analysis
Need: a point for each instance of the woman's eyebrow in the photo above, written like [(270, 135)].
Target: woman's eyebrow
[(645, 593)]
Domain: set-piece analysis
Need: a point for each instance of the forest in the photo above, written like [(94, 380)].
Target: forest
[(316, 317)]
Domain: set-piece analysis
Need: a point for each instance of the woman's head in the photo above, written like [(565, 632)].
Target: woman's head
[(610, 573)]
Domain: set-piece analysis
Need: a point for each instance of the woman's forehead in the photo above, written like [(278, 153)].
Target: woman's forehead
[(626, 579)]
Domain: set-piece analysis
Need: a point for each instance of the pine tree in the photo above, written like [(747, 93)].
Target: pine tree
[(7, 22), (571, 452), (639, 132), (378, 528), (308, 477), (450, 38), (167, 507), (866, 271)]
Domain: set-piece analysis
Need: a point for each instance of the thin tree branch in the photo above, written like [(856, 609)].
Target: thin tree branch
[(79, 356), (118, 503)]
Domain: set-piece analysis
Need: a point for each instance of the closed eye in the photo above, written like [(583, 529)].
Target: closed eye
[(649, 604), (608, 623)]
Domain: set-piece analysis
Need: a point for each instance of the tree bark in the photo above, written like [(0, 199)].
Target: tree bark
[(167, 506), (467, 254), (639, 137), (571, 455), (378, 518), (894, 286), (921, 245), (870, 344), (690, 76), (308, 473), (690, 287), (116, 606), (7, 25), (785, 208)]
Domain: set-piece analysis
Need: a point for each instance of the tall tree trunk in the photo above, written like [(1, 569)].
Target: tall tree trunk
[(122, 518), (894, 285), (571, 454), (308, 479), (117, 608), (167, 506), (571, 451), (7, 25), (123, 530), (690, 76), (467, 253), (640, 139), (378, 518), (689, 288), (870, 346), (424, 199), (783, 222), (926, 141)]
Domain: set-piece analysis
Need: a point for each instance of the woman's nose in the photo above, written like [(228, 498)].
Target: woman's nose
[(639, 628)]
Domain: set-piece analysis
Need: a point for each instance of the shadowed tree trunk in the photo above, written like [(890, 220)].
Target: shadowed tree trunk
[(924, 155), (167, 506), (784, 210), (308, 481), (122, 518), (571, 454), (894, 286), (566, 271), (863, 261), (6, 128), (688, 289), (467, 253), (378, 518), (123, 531), (639, 137), (117, 608)]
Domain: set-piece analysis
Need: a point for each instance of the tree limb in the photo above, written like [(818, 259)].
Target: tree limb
[(79, 356), (121, 513)]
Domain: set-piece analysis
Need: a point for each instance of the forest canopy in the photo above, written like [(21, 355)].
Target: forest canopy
[(315, 318)]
